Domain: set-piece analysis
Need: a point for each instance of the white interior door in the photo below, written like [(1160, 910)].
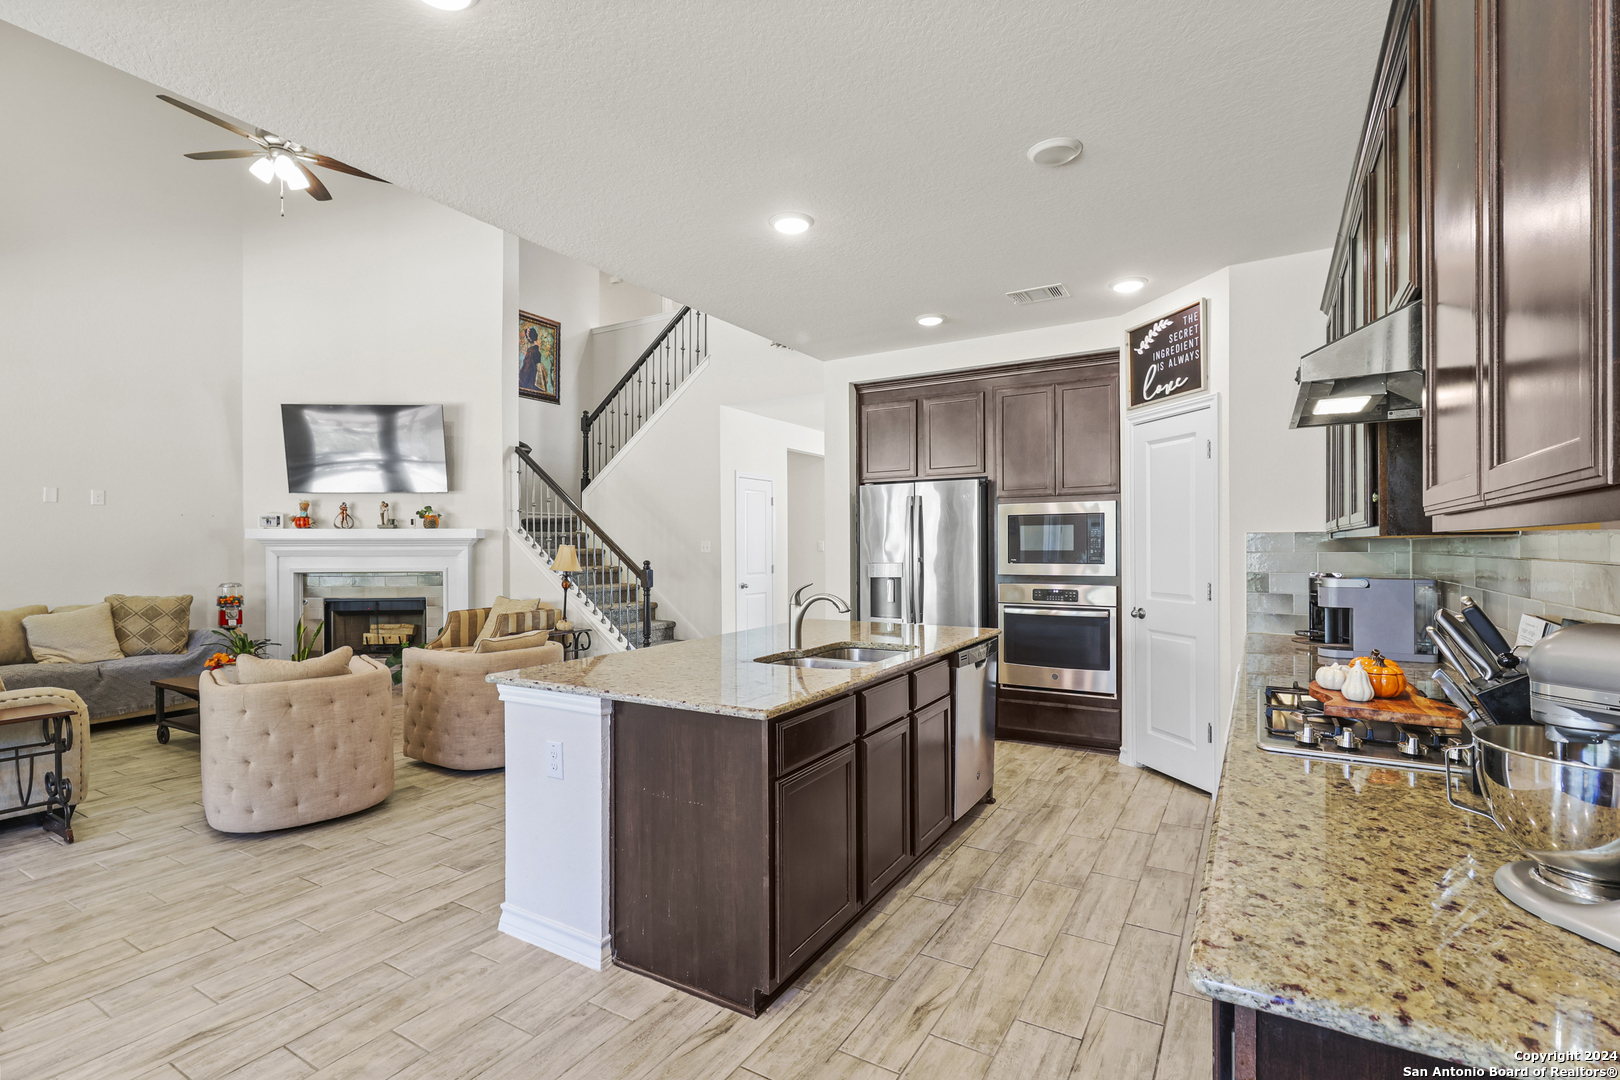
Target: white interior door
[(756, 551), (1171, 633)]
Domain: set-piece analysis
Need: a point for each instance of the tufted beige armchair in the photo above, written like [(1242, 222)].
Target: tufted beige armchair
[(278, 755), (452, 716)]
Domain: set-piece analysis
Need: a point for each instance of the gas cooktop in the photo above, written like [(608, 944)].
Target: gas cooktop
[(1290, 721)]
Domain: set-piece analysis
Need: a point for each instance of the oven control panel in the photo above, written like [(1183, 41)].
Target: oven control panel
[(1055, 596)]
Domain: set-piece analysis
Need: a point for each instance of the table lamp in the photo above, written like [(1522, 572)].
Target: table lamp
[(566, 562)]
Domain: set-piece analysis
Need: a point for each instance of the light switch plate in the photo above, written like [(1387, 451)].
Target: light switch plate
[(704, 547), (50, 494), (821, 545), (98, 497)]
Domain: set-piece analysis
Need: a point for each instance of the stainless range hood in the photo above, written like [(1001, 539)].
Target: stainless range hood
[(1371, 375)]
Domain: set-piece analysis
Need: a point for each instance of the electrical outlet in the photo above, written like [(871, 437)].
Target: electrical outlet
[(98, 497), (821, 545), (554, 759), (705, 547), (50, 494)]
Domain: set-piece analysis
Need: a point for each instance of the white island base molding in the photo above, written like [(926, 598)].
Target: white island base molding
[(557, 858)]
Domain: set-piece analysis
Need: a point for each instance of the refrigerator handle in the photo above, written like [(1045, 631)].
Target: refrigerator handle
[(908, 575), (917, 554)]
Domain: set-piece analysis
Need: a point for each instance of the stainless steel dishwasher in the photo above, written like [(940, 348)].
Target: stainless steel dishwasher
[(973, 699)]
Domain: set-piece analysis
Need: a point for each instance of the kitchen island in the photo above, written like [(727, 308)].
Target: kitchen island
[(714, 821), (1349, 927)]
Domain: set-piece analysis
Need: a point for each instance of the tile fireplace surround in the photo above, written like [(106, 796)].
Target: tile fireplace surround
[(289, 553)]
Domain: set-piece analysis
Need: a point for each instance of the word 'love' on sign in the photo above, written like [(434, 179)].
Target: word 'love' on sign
[(1167, 356)]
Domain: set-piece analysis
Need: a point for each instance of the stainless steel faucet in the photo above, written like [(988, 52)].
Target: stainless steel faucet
[(800, 608)]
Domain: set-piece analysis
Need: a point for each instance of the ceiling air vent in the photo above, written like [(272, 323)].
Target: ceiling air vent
[(1039, 293)]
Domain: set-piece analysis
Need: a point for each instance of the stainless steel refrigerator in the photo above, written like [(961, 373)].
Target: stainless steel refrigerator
[(926, 557)]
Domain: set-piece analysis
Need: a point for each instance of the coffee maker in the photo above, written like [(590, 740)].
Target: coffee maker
[(1351, 616)]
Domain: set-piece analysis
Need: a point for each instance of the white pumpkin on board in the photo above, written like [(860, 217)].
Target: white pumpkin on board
[(1357, 686), (1331, 676)]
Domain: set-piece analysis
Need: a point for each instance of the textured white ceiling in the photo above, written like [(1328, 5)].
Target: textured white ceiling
[(654, 140)]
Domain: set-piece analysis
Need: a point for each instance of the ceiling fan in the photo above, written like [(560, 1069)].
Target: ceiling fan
[(275, 158)]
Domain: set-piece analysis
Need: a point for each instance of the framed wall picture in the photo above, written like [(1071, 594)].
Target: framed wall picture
[(1166, 356), (539, 357)]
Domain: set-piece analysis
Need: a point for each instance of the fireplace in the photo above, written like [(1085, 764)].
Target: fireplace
[(375, 627)]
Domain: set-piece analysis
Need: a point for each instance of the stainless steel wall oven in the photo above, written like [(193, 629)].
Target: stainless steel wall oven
[(1059, 637)]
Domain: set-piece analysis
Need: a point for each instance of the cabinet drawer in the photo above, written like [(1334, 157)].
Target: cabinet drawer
[(930, 684), (803, 738), (884, 704)]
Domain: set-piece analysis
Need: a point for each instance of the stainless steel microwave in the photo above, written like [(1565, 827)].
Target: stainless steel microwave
[(1057, 539)]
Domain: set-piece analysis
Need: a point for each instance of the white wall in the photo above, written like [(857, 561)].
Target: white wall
[(759, 446), (120, 338), (379, 296), (613, 347), (559, 288), (806, 520), (660, 499), (622, 301)]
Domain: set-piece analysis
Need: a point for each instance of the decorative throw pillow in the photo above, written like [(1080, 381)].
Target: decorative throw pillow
[(461, 628), (516, 622), (530, 640), (83, 635), (151, 625), (255, 669), (13, 642), (502, 606)]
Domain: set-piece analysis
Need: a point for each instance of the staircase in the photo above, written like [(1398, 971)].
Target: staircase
[(678, 351), (611, 582)]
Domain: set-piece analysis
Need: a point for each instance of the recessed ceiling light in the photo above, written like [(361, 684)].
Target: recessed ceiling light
[(792, 224), (1055, 152), (930, 320), (450, 5), (1129, 285)]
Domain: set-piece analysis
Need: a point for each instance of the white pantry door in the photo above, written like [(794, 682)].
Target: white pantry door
[(756, 551), (1170, 636)]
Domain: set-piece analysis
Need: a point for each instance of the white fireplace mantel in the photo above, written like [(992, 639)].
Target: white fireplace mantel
[(289, 552)]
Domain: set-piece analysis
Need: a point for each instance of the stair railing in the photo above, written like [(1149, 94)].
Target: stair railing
[(661, 369), (611, 581)]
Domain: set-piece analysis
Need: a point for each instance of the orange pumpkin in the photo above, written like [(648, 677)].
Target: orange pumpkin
[(1386, 676)]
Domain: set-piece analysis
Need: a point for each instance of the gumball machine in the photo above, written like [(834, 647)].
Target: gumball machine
[(230, 605)]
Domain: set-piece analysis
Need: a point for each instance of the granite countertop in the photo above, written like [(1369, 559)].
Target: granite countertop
[(1365, 904), (719, 674)]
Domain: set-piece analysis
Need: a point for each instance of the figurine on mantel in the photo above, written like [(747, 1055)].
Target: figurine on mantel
[(385, 521), (344, 520), (302, 519)]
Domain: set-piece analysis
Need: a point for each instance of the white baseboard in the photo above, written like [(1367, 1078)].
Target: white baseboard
[(554, 937)]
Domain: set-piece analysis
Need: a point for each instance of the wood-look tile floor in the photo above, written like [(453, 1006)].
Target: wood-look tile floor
[(1046, 939)]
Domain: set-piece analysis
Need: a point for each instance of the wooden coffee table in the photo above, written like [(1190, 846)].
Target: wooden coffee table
[(184, 719), (56, 739)]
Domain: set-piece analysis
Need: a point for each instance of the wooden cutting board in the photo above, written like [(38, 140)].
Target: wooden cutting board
[(1407, 708)]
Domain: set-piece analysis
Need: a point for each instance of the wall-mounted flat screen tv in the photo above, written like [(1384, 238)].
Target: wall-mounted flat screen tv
[(364, 448)]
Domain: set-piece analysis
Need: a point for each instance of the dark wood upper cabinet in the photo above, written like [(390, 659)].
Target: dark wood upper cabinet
[(816, 868), (884, 763), (1026, 441), (952, 437), (888, 440), (1088, 436), (931, 773)]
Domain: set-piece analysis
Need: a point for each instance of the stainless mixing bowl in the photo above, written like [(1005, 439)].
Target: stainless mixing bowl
[(1558, 800)]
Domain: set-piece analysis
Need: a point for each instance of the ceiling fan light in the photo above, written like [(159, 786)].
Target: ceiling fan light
[(263, 169), (289, 171)]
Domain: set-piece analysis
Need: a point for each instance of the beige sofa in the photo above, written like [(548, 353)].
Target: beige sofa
[(75, 763), (453, 717), (282, 754)]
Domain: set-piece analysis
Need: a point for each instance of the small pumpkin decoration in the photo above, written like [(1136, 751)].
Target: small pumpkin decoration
[(1357, 686), (1331, 676), (1386, 676)]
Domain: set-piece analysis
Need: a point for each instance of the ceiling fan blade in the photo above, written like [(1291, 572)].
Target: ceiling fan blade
[(222, 155), (337, 166), (317, 190), (210, 117)]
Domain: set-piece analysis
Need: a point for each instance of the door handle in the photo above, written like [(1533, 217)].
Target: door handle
[(744, 585), (1136, 612)]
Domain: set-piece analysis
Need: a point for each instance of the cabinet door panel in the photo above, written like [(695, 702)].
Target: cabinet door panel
[(931, 773), (1088, 437), (1451, 232), (884, 760), (1545, 379), (1026, 440), (816, 889), (888, 440), (953, 435)]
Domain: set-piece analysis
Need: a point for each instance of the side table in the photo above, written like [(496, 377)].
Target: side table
[(573, 641), (188, 719), (56, 739)]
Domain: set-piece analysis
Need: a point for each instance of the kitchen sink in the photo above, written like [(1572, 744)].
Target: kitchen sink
[(841, 655)]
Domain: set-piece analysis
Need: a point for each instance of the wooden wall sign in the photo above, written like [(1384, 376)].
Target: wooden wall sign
[(1166, 356)]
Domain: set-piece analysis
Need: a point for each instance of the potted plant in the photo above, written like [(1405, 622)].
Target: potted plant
[(303, 644), (429, 516), (235, 644)]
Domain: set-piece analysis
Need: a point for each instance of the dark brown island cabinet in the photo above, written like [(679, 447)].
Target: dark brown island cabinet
[(1484, 191), (742, 848), (1254, 1045), (1041, 430)]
